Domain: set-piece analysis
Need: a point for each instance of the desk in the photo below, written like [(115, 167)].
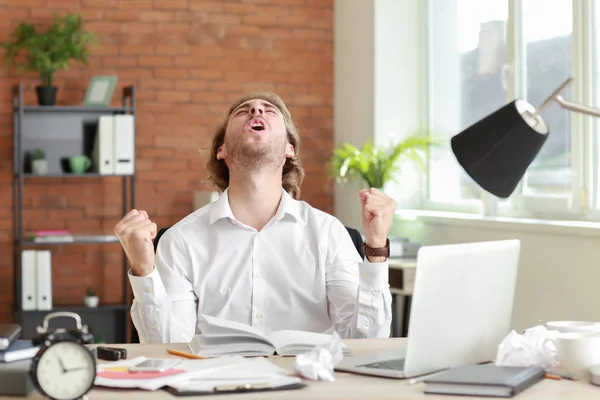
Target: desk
[(346, 386), (406, 267)]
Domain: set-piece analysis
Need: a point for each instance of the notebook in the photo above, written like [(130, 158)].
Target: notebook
[(223, 337), (8, 334), (18, 350), (484, 380)]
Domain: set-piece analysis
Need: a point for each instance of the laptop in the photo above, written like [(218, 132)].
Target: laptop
[(461, 311)]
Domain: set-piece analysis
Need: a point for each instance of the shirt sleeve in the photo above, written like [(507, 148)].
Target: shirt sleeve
[(164, 304), (358, 293)]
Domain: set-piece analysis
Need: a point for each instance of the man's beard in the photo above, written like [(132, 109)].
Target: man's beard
[(256, 156)]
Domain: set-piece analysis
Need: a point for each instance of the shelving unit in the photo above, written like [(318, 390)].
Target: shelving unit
[(62, 131)]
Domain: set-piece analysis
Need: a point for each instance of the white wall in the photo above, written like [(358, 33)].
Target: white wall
[(379, 88), (559, 269), (378, 79)]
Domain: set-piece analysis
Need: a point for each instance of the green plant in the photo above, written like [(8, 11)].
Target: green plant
[(89, 292), (51, 49), (38, 154), (378, 165)]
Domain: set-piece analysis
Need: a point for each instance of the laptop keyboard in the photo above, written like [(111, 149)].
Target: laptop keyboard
[(396, 365)]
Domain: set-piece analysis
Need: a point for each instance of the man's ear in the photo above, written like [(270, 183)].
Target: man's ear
[(221, 153), (289, 151)]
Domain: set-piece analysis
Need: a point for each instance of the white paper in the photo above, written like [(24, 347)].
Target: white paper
[(535, 346), (194, 368), (319, 363)]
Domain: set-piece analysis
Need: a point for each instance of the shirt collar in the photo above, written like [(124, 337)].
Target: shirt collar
[(287, 206)]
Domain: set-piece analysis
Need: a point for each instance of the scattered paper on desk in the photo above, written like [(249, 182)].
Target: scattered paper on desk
[(259, 372), (202, 373), (318, 364), (193, 368), (535, 346)]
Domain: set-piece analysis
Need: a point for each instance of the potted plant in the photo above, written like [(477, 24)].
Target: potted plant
[(377, 166), (48, 50), (90, 299), (39, 165)]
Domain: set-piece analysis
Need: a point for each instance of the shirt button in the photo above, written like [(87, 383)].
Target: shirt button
[(257, 315), (365, 274), (148, 290)]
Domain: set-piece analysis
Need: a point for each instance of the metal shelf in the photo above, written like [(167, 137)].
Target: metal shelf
[(77, 308), (72, 175), (65, 128), (74, 109), (76, 239)]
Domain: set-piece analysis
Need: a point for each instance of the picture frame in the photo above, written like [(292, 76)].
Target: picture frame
[(100, 90)]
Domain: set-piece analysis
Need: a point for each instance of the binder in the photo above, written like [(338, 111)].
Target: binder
[(44, 280), (28, 280), (124, 145), (104, 148)]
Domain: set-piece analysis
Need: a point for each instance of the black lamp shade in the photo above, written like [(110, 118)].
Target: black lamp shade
[(497, 150)]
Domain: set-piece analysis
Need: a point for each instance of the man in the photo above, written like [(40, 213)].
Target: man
[(257, 255)]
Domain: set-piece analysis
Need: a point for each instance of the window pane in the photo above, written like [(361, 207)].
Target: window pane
[(547, 37), (467, 55)]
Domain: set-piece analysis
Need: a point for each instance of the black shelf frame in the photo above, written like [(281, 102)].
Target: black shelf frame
[(116, 315)]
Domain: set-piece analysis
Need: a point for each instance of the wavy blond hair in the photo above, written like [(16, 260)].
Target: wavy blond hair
[(293, 171)]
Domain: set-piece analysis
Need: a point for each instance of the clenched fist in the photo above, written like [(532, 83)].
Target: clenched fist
[(136, 232)]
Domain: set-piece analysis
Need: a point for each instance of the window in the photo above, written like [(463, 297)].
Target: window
[(483, 54)]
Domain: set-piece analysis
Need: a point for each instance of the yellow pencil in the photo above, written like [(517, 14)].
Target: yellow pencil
[(184, 354)]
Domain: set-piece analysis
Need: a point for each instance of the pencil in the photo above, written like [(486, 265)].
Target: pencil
[(552, 376), (184, 354)]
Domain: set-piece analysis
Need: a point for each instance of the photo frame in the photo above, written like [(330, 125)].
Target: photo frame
[(100, 90)]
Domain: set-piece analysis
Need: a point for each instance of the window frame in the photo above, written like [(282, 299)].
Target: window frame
[(575, 204)]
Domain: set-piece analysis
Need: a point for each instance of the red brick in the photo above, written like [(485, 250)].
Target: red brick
[(188, 59)]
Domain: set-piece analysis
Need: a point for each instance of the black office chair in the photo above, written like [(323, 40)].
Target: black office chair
[(354, 235)]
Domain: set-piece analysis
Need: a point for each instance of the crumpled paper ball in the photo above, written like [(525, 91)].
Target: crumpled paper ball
[(318, 364), (536, 346)]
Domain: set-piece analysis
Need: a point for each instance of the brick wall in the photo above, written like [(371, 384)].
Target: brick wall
[(188, 60)]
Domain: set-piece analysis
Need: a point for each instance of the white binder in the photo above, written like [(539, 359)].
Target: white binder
[(28, 280), (44, 280), (104, 148), (124, 155)]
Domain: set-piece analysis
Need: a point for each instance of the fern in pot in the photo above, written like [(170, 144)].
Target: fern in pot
[(378, 165), (48, 50)]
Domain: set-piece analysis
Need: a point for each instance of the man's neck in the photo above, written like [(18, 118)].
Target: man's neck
[(254, 197)]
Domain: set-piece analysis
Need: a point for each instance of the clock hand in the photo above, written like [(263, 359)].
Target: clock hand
[(64, 370), (76, 369)]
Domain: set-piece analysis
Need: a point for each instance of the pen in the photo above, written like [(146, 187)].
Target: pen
[(184, 354)]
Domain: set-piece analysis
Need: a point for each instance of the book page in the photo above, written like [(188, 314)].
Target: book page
[(297, 340), (212, 326)]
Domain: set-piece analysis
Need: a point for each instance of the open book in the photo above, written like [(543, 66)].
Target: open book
[(223, 337)]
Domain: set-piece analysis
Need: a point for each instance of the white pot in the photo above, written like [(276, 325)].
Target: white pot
[(91, 301), (40, 167)]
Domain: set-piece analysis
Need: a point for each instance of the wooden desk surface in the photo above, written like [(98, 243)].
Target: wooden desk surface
[(346, 386)]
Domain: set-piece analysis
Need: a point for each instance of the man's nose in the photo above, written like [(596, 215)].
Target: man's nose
[(257, 110)]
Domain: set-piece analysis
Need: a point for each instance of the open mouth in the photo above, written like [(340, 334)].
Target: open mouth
[(257, 125)]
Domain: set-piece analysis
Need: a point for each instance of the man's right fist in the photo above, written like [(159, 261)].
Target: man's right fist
[(136, 232)]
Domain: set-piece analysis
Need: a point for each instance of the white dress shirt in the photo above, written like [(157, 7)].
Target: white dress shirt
[(301, 272)]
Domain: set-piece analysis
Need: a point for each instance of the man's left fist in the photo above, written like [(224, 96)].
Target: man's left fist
[(377, 216)]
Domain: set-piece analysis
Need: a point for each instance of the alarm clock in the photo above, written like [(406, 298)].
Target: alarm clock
[(64, 368)]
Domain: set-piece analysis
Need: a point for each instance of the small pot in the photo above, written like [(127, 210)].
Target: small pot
[(91, 301), (46, 95), (39, 167)]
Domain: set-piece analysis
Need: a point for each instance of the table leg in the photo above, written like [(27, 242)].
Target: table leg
[(406, 315), (394, 316)]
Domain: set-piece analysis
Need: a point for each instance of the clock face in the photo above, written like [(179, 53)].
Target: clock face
[(65, 371)]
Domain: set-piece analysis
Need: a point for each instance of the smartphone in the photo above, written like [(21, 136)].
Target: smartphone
[(154, 365)]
